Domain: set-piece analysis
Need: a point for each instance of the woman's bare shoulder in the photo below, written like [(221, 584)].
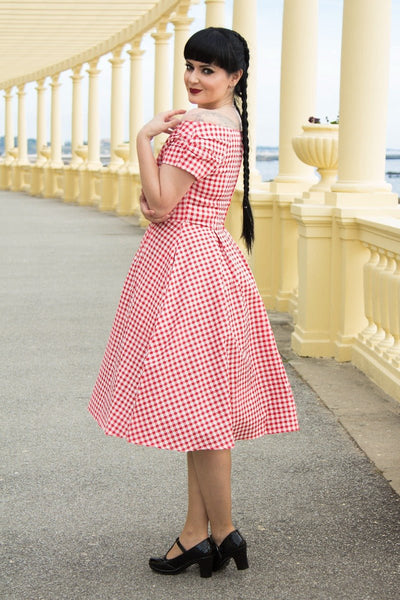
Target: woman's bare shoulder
[(216, 117)]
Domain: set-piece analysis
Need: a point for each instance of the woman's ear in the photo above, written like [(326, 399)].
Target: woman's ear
[(235, 77)]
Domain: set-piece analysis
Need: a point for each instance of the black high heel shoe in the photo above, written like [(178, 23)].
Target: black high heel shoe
[(233, 546), (201, 554)]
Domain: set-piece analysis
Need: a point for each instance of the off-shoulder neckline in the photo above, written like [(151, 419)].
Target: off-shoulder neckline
[(209, 123)]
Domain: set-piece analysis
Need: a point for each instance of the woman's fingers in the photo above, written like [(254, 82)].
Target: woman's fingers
[(164, 122), (171, 119), (172, 113), (146, 211), (172, 124)]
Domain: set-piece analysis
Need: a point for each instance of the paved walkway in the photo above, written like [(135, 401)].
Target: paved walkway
[(84, 511)]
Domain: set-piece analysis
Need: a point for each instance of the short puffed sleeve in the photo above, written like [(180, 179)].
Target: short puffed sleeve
[(194, 147)]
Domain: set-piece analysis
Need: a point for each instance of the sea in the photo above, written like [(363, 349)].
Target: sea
[(268, 166)]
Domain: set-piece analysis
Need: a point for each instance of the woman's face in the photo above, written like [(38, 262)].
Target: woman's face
[(209, 86)]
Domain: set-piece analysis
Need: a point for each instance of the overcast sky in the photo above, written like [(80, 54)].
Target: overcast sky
[(268, 74)]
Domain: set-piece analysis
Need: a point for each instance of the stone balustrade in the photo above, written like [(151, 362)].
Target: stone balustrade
[(376, 349)]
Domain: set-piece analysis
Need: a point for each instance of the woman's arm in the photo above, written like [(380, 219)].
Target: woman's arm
[(150, 214), (163, 186)]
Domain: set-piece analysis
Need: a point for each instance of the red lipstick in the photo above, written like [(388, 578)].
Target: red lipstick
[(194, 91)]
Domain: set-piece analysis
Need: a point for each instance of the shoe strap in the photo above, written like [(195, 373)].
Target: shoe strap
[(178, 543)]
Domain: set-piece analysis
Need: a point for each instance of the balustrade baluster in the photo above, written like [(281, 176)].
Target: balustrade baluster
[(377, 300), (369, 269), (386, 278), (393, 353)]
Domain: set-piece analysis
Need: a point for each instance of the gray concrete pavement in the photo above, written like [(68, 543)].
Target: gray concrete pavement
[(370, 416), (83, 512)]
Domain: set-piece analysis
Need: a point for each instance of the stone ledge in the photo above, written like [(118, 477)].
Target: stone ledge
[(370, 417)]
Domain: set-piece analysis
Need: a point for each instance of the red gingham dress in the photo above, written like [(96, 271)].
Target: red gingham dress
[(191, 362)]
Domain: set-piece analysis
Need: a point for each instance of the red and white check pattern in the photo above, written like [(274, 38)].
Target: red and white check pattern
[(191, 362)]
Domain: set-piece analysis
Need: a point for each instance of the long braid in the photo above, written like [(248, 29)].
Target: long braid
[(241, 90)]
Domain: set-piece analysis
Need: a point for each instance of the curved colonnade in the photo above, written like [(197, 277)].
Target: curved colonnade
[(332, 258)]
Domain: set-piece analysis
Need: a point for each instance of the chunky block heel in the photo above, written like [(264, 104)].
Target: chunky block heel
[(240, 559), (206, 566), (234, 546)]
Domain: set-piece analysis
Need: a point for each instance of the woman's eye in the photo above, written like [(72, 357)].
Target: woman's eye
[(208, 71), (189, 67)]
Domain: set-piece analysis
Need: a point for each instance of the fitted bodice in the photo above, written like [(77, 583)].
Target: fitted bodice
[(213, 155)]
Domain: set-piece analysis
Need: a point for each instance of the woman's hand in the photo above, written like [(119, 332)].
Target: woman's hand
[(164, 122), (150, 214)]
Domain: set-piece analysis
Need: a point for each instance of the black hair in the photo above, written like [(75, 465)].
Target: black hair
[(229, 50)]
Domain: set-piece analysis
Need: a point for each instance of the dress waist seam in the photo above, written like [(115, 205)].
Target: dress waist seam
[(197, 224)]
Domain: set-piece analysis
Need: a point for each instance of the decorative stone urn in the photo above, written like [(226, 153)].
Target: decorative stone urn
[(45, 151), (318, 146), (13, 154), (82, 152), (122, 150)]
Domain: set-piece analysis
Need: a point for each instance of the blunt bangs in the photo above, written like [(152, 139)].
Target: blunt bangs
[(212, 47)]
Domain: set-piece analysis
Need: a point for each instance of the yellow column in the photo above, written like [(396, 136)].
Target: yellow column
[(162, 79), (17, 180), (40, 121), (297, 103), (55, 161), (117, 132), (17, 171), (363, 102), (5, 171), (77, 114), (36, 185), (128, 175), (136, 99), (8, 134), (93, 117), (215, 13), (87, 178), (50, 188), (22, 141), (245, 23), (181, 24), (71, 171), (298, 87)]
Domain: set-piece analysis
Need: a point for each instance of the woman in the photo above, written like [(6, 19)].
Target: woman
[(191, 363)]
